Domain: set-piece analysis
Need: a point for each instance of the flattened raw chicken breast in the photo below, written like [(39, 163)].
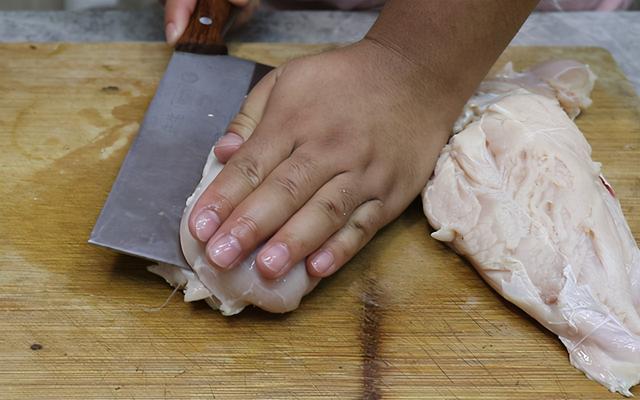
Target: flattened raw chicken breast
[(232, 290), (517, 194)]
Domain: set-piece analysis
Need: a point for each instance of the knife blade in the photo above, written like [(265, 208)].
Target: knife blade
[(200, 92)]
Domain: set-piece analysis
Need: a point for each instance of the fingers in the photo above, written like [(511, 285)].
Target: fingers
[(248, 170), (365, 221), (326, 212), (246, 121), (227, 146), (176, 18), (242, 175), (267, 209)]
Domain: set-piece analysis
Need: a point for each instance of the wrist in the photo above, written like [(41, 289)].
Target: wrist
[(437, 93), (455, 43)]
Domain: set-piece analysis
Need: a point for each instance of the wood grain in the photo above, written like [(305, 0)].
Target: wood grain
[(206, 28), (405, 319)]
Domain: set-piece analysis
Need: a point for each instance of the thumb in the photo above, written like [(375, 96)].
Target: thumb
[(245, 122), (176, 18)]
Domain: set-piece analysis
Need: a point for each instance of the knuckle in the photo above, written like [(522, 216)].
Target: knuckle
[(288, 185), (301, 166), (348, 200), (331, 208), (362, 227), (248, 169), (367, 223), (221, 204), (343, 250), (244, 124), (296, 243), (339, 207), (246, 228), (297, 176)]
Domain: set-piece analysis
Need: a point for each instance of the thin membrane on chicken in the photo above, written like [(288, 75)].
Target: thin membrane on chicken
[(517, 193), (568, 81), (230, 291)]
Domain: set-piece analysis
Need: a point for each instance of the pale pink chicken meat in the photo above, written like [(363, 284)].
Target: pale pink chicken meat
[(568, 81), (517, 194)]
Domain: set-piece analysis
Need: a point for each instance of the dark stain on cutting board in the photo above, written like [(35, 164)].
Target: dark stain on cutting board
[(370, 338)]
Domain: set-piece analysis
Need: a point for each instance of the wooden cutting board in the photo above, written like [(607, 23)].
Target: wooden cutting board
[(406, 318)]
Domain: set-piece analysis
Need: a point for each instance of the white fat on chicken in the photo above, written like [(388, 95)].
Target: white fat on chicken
[(517, 193), (230, 291)]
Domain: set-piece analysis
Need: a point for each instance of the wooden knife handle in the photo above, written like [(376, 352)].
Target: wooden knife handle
[(206, 28)]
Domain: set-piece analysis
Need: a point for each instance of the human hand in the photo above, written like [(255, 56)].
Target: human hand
[(177, 13), (326, 150)]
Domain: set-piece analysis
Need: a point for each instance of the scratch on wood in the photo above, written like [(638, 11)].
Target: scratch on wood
[(110, 89), (370, 339)]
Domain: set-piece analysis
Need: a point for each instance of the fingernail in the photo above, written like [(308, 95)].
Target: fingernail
[(230, 139), (322, 262), (207, 222), (171, 33), (276, 257), (224, 251)]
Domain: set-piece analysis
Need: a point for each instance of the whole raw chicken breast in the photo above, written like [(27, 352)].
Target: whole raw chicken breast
[(517, 194)]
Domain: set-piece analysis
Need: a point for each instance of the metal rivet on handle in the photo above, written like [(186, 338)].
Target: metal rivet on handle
[(205, 21)]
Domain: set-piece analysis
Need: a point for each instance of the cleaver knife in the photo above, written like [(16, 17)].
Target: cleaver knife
[(200, 92)]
